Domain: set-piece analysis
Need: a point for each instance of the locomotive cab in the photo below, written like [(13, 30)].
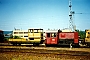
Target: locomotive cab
[(51, 38)]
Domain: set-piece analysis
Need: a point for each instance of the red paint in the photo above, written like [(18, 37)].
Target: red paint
[(51, 40), (76, 38), (66, 35), (76, 41), (48, 41), (76, 35), (54, 40)]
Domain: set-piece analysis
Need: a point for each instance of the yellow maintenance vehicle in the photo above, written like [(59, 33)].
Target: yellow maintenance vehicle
[(87, 39), (35, 37)]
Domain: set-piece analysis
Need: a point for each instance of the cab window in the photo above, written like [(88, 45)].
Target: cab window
[(31, 31), (35, 31), (53, 35), (48, 34), (40, 30), (88, 32)]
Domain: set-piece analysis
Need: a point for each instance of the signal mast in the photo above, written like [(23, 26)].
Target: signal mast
[(72, 27)]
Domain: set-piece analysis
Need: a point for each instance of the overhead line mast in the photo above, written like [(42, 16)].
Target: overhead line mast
[(71, 24)]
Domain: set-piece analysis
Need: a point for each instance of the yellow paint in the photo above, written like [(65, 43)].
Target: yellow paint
[(87, 39), (34, 35), (17, 39)]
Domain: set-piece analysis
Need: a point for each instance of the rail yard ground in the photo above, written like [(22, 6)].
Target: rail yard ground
[(43, 53)]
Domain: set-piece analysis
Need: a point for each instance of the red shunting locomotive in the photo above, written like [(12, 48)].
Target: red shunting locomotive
[(62, 38)]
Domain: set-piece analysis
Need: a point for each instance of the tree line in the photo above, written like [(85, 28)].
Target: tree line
[(82, 34)]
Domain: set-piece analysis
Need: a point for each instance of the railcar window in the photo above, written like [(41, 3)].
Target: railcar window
[(53, 35), (25, 32), (35, 31), (48, 34), (25, 36), (40, 30), (31, 31), (20, 32), (15, 32), (88, 32)]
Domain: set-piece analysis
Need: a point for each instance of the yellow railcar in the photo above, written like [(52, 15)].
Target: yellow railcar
[(35, 36), (87, 39)]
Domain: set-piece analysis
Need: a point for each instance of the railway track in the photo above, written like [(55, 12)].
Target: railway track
[(30, 45), (40, 45), (22, 45), (44, 52), (45, 48), (60, 54)]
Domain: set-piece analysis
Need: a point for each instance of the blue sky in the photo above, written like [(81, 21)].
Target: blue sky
[(53, 14)]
